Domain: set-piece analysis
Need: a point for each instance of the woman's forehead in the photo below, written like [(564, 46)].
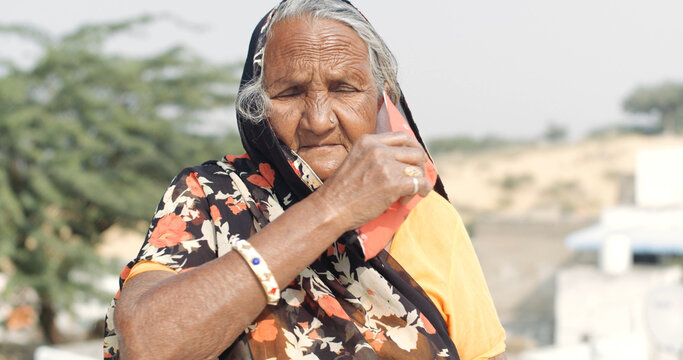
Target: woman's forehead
[(300, 43)]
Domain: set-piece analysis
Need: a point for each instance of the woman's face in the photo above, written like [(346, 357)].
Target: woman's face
[(322, 91)]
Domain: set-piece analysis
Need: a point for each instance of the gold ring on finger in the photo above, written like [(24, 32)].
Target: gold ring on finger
[(412, 171), (416, 185)]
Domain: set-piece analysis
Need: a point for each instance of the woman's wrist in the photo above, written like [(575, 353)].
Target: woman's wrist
[(331, 217)]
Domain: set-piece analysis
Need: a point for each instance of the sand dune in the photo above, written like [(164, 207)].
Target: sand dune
[(545, 180)]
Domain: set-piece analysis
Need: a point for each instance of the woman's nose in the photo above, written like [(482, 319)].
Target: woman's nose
[(318, 115)]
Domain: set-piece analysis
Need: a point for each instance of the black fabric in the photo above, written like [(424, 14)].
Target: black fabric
[(262, 146), (259, 140)]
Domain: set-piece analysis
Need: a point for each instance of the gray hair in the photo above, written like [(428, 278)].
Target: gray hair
[(252, 101)]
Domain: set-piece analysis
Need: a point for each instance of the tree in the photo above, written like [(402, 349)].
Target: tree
[(554, 133), (467, 144), (664, 101), (89, 139)]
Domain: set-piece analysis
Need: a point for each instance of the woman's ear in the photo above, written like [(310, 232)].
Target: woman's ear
[(387, 89)]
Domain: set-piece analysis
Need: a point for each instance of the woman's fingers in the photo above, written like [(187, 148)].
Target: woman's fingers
[(423, 186), (418, 184), (379, 169), (409, 155), (401, 146), (396, 138), (407, 150), (399, 156)]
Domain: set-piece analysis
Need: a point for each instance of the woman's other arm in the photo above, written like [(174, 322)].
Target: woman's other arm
[(163, 315)]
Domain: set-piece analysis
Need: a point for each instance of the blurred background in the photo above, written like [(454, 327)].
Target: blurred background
[(557, 127)]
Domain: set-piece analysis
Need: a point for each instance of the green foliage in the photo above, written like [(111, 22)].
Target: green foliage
[(511, 182), (468, 144), (664, 100), (90, 139), (554, 133), (611, 131)]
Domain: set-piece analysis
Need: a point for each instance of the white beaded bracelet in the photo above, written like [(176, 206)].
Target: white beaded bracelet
[(260, 268)]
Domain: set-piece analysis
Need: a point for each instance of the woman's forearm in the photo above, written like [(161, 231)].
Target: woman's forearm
[(199, 313)]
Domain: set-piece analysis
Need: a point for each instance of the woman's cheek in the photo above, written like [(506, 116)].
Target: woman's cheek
[(284, 120), (364, 118)]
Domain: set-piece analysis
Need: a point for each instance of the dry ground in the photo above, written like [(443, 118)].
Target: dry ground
[(544, 180)]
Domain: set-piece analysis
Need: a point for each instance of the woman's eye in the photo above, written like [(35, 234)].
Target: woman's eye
[(288, 93), (344, 89)]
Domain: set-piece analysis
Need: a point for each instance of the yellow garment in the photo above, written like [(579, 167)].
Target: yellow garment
[(432, 245), (144, 266)]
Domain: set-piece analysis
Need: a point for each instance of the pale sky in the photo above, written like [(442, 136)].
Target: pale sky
[(467, 67)]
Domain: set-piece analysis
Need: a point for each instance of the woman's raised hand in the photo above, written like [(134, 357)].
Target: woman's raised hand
[(372, 177)]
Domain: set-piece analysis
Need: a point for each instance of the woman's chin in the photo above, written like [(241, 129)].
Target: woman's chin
[(323, 160), (325, 170)]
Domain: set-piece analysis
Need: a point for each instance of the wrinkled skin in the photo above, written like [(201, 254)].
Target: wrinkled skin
[(324, 103), (315, 71)]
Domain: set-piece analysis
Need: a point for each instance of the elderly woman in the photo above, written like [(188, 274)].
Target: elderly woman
[(254, 257)]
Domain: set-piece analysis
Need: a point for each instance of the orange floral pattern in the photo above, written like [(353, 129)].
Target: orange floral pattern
[(339, 307), (170, 231), (429, 328), (332, 307), (265, 331), (376, 340), (215, 214), (193, 184), (235, 206)]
